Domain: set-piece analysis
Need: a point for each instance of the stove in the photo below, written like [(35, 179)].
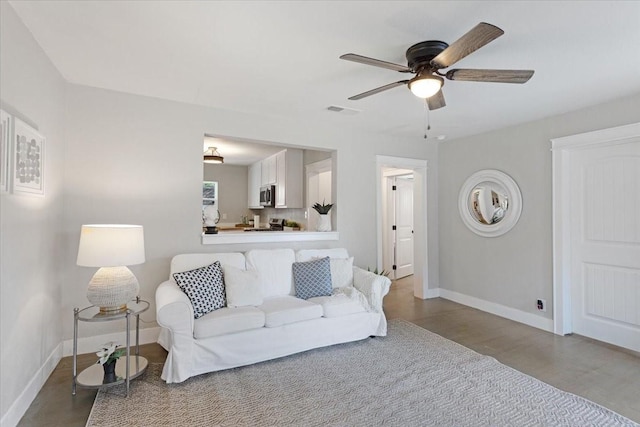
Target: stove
[(276, 224)]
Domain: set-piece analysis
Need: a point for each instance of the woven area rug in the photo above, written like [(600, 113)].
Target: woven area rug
[(412, 377)]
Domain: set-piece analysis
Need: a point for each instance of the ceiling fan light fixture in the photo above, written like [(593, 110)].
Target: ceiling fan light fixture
[(425, 85), (212, 156)]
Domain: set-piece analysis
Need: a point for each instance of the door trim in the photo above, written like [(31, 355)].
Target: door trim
[(561, 149), (420, 242)]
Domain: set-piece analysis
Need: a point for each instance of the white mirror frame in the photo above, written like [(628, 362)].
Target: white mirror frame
[(512, 214)]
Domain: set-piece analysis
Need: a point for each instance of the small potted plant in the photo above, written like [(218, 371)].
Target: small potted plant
[(108, 356), (324, 224), (291, 226), (384, 273)]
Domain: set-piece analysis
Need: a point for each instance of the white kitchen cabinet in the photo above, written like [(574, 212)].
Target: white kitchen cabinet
[(289, 178), (254, 181), (268, 172)]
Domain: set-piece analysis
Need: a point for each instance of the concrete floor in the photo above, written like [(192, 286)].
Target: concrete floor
[(600, 372)]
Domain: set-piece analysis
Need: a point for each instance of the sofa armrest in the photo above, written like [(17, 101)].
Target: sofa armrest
[(173, 309), (174, 313), (372, 285)]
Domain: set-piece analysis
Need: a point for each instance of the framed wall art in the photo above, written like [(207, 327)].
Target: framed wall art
[(28, 159), (5, 140)]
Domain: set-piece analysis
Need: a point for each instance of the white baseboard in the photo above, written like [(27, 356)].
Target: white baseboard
[(499, 310), (22, 403), (93, 344), (65, 348), (431, 293)]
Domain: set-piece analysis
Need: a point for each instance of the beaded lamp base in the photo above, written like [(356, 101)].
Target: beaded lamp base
[(111, 288)]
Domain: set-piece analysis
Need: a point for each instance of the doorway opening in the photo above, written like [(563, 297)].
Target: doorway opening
[(397, 222), (406, 246)]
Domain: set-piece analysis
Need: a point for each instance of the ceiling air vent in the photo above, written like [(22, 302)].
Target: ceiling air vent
[(343, 110)]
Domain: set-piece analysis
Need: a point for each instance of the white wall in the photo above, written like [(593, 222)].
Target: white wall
[(30, 247), (138, 160), (515, 269)]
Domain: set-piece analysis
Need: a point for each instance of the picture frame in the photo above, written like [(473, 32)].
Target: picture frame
[(209, 192), (28, 160), (5, 142)]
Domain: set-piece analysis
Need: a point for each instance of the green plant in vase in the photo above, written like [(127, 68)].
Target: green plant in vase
[(381, 273), (292, 224)]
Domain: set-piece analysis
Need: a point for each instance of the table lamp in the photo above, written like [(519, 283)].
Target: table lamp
[(112, 247)]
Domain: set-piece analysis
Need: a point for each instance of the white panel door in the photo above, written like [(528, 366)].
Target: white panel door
[(404, 227), (605, 242)]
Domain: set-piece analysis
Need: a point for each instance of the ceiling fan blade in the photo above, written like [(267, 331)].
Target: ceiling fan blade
[(496, 76), (436, 101), (375, 62), (473, 40), (378, 90)]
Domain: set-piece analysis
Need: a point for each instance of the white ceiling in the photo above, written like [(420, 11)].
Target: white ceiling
[(240, 152), (281, 58)]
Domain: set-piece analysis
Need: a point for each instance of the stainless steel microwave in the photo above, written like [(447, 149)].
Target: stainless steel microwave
[(268, 195)]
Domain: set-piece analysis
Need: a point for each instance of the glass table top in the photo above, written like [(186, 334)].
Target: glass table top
[(93, 313)]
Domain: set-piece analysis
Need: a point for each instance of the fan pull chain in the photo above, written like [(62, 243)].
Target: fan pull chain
[(427, 119)]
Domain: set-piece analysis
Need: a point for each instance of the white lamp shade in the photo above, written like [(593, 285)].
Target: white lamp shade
[(110, 245)]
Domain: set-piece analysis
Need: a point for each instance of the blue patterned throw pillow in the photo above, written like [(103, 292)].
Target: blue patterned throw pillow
[(312, 278), (204, 287)]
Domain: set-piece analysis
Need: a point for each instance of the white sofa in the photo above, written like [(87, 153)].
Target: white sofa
[(282, 325)]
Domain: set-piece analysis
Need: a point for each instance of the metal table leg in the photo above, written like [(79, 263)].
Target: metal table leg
[(75, 350), (128, 350), (137, 332)]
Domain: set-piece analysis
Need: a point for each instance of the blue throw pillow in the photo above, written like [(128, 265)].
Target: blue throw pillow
[(312, 278), (204, 287)]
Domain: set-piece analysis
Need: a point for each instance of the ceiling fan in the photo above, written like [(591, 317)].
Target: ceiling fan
[(426, 59)]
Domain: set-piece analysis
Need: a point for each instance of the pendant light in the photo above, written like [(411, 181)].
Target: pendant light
[(212, 156)]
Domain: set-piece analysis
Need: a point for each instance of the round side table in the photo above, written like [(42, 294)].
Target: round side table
[(134, 365)]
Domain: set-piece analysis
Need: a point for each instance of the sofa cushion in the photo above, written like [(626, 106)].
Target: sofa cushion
[(309, 254), (185, 262), (312, 278), (227, 321), (341, 272), (287, 309), (274, 268), (338, 305), (205, 288), (242, 287)]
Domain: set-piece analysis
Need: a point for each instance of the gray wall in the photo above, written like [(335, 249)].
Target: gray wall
[(514, 269), (30, 249), (232, 190), (150, 173)]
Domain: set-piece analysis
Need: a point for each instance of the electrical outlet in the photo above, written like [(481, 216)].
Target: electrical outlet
[(542, 305), (224, 216)]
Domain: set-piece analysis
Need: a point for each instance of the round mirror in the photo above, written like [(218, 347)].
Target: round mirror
[(490, 203)]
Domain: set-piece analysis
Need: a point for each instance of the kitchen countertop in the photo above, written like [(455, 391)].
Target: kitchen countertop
[(225, 237)]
